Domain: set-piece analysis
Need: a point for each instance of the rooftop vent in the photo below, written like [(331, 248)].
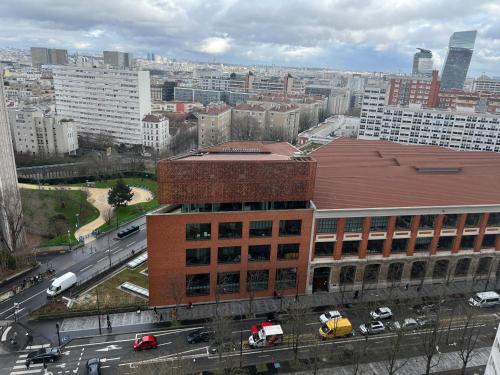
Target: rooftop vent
[(438, 169), (243, 150)]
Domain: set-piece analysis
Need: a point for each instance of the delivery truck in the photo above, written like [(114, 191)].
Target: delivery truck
[(335, 328), (61, 284), (266, 336)]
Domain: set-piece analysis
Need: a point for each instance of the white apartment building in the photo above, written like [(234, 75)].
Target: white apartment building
[(485, 83), (105, 101), (461, 129), (35, 132), (493, 365), (156, 133), (372, 107)]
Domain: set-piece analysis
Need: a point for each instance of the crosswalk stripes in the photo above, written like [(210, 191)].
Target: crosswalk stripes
[(20, 367)]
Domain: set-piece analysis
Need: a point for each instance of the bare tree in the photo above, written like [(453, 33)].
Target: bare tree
[(221, 327), (392, 362), (246, 128), (295, 325), (467, 339), (430, 341), (176, 289), (255, 280), (11, 212)]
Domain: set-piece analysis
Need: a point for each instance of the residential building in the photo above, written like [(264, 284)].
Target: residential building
[(251, 219), (459, 129), (156, 92), (372, 109), (185, 107), (485, 83), (156, 133), (339, 102), (422, 62), (481, 101), (104, 101), (48, 56), (238, 224), (118, 59), (458, 59), (493, 365), (38, 132), (404, 90), (214, 125), (9, 192)]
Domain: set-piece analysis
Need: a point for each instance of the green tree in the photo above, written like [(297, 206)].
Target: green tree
[(120, 194)]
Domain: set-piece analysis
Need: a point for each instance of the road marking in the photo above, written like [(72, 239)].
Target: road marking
[(27, 299), (24, 366), (165, 343), (166, 332), (110, 359), (4, 334), (23, 355), (34, 371), (100, 260), (15, 313), (130, 244), (96, 343), (31, 347), (108, 348), (312, 324), (86, 268)]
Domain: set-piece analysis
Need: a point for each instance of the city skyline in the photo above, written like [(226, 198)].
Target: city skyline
[(332, 34)]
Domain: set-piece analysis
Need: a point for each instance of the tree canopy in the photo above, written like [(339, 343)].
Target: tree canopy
[(120, 194)]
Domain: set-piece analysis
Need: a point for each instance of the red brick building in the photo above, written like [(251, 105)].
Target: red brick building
[(405, 90)]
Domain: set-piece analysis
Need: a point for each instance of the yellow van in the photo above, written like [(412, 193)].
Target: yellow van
[(336, 328)]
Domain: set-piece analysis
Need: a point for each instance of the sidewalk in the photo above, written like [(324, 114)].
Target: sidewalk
[(267, 305)]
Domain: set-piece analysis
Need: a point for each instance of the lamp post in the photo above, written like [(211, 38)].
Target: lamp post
[(98, 310), (109, 251), (58, 334), (69, 239), (77, 220)]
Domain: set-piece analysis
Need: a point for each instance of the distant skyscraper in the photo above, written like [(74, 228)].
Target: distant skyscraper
[(48, 56), (9, 192), (119, 59), (458, 59), (422, 62)]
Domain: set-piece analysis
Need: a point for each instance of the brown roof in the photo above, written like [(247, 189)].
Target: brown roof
[(151, 118), (355, 173), (250, 107), (216, 109)]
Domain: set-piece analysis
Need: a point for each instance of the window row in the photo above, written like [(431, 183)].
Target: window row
[(232, 254), (229, 230), (380, 223), (245, 206), (400, 245), (229, 282)]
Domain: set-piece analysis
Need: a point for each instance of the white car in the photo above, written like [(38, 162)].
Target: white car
[(329, 315), (381, 313), (409, 324), (372, 328)]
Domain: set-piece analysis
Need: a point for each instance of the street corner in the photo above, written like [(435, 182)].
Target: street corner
[(14, 336)]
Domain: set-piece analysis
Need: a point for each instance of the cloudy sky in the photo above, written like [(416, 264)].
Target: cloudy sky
[(369, 35)]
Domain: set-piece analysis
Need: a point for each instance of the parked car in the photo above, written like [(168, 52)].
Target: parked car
[(329, 315), (227, 347), (426, 322), (93, 366), (372, 328), (199, 335), (409, 324), (381, 313), (146, 342), (485, 299), (335, 328), (43, 355)]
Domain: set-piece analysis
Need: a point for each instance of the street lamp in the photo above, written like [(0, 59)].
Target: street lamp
[(77, 220), (109, 251), (58, 334), (98, 310), (69, 239)]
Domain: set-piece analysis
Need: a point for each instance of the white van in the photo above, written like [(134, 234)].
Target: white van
[(485, 299), (62, 283)]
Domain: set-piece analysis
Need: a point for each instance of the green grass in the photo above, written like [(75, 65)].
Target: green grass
[(52, 213)]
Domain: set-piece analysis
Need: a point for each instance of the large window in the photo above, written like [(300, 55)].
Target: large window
[(198, 285), (226, 207), (259, 253), (483, 266), (347, 275), (196, 257), (254, 206), (327, 225), (462, 267), (489, 241), (403, 222), (399, 245), (261, 228), (290, 227), (257, 280), (379, 224), (230, 230), (229, 254), (473, 220), (418, 270), (371, 273), (395, 272), (198, 231), (467, 242), (450, 221), (228, 282), (350, 248), (286, 278), (375, 246), (427, 221), (494, 219), (288, 251), (323, 249), (446, 242), (353, 224), (422, 244)]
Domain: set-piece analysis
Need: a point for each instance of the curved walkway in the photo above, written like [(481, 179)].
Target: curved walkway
[(98, 197)]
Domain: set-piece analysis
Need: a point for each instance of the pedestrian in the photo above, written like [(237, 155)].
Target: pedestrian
[(419, 288), (190, 305), (109, 326), (356, 294), (407, 286), (27, 365), (275, 294), (155, 310), (161, 317)]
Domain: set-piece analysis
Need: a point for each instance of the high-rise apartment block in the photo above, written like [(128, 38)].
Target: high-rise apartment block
[(458, 59), (118, 59), (104, 102), (422, 62), (485, 83), (48, 56), (404, 90), (35, 132)]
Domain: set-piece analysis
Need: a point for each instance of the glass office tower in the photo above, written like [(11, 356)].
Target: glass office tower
[(422, 62), (458, 59)]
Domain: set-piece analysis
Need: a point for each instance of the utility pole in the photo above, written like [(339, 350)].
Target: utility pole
[(98, 310)]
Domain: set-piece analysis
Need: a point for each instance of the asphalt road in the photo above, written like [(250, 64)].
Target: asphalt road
[(86, 261), (118, 357)]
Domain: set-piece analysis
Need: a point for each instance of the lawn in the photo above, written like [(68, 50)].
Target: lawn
[(51, 213), (109, 293)]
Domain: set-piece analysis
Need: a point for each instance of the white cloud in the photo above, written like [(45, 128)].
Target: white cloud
[(215, 45)]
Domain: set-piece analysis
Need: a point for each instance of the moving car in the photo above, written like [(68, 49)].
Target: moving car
[(485, 299), (334, 314), (199, 335), (334, 328), (146, 342), (93, 366), (61, 284), (409, 324), (43, 355), (381, 313), (372, 328)]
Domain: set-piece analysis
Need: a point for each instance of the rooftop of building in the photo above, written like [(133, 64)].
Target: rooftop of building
[(249, 107), (215, 109), (355, 174), (237, 151), (153, 118)]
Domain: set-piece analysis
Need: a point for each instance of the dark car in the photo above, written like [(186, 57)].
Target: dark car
[(43, 355), (94, 366), (199, 335)]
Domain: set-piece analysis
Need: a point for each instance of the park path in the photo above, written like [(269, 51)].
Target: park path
[(98, 197)]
